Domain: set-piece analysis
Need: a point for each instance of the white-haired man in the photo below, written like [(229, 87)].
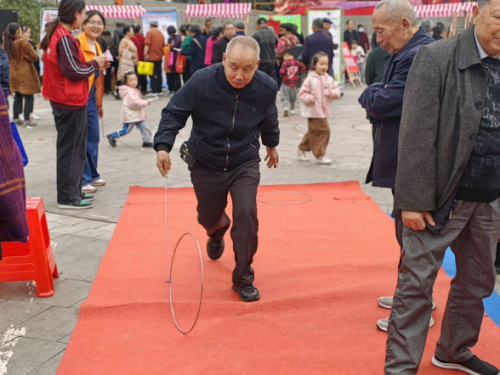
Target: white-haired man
[(232, 104), (448, 194), (395, 23)]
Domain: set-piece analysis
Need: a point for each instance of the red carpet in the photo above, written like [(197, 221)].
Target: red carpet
[(320, 268)]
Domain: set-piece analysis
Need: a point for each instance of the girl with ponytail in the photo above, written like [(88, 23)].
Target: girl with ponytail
[(66, 85)]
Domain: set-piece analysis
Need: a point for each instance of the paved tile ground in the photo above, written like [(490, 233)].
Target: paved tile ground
[(36, 331)]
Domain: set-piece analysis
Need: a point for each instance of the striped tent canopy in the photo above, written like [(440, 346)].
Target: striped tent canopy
[(237, 10), (442, 10), (123, 11)]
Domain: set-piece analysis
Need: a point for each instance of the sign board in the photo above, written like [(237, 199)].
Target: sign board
[(349, 60), (336, 30), (165, 16), (295, 20), (47, 15)]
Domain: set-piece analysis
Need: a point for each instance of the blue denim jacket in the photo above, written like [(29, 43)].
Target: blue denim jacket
[(4, 72)]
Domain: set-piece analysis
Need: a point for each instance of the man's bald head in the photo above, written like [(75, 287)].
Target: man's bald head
[(243, 44), (241, 61)]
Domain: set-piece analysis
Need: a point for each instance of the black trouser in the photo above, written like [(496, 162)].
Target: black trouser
[(18, 105), (71, 128), (497, 261), (211, 187), (107, 79), (157, 79), (269, 69), (174, 81), (187, 72), (142, 82)]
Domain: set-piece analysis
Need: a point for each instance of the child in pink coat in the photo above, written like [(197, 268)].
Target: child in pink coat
[(132, 114), (316, 95)]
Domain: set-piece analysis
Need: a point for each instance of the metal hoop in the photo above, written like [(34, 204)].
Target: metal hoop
[(170, 282), (285, 192)]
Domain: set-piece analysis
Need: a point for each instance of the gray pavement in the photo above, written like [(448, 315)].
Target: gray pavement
[(36, 331)]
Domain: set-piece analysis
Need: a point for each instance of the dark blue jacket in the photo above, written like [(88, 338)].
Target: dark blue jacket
[(197, 54), (384, 103), (4, 73), (315, 43), (226, 124)]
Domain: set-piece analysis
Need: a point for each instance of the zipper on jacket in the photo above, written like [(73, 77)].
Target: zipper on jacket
[(232, 128)]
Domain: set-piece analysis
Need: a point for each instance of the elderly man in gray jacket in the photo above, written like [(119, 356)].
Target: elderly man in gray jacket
[(447, 194)]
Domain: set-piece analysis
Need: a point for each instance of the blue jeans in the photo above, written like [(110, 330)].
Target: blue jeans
[(90, 172)]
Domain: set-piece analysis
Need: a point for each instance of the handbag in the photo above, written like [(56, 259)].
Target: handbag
[(19, 142), (171, 60), (180, 64), (145, 68)]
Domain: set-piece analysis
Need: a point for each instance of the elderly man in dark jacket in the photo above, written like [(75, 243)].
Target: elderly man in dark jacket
[(268, 41), (317, 42), (232, 105), (221, 45), (447, 194), (396, 25)]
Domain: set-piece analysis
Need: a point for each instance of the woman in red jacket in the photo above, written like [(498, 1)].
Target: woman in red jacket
[(66, 77)]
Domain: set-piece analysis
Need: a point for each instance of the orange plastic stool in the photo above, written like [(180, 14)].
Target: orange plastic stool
[(34, 260)]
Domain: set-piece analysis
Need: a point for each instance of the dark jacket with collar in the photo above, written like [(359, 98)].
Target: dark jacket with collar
[(196, 52), (384, 103), (442, 111), (239, 33), (375, 64), (4, 73), (219, 49), (317, 42), (226, 124), (268, 40)]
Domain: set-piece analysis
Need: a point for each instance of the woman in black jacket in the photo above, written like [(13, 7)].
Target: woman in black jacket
[(196, 49)]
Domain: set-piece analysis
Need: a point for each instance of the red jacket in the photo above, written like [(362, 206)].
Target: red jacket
[(65, 71)]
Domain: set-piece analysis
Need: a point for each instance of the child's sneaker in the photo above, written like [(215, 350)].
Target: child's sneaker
[(89, 189), (301, 155), (147, 145), (292, 111), (324, 160), (111, 140), (286, 112), (84, 205), (34, 117)]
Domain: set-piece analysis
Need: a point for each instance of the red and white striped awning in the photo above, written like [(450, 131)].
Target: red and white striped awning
[(442, 10), (237, 10), (122, 11)]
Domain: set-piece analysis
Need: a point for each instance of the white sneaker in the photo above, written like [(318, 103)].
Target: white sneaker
[(99, 182), (89, 189), (286, 112), (34, 117), (21, 117), (324, 160), (383, 324), (386, 302), (301, 155), (292, 111)]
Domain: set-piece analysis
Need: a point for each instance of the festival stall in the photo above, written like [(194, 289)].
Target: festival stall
[(233, 10)]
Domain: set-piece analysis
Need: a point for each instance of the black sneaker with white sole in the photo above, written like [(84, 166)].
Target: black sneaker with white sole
[(247, 293), (215, 249), (473, 366)]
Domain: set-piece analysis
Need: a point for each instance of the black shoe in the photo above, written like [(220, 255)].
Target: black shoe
[(112, 141), (116, 95), (473, 366), (497, 266), (247, 293), (215, 249), (147, 145)]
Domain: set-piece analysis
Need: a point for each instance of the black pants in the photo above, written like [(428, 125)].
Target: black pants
[(269, 69), (18, 105), (212, 187), (157, 78), (107, 79), (142, 82), (174, 81), (71, 128), (187, 72)]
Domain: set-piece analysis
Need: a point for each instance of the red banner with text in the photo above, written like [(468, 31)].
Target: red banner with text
[(349, 59)]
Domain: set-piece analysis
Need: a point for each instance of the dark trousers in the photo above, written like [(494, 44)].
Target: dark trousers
[(107, 79), (18, 105), (90, 173), (71, 128), (268, 69), (142, 82), (187, 72), (173, 81), (212, 187), (157, 79)]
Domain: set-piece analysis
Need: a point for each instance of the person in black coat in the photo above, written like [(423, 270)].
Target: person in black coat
[(221, 45), (196, 49), (316, 42), (350, 33)]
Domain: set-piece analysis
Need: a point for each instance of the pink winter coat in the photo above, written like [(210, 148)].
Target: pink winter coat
[(133, 105), (210, 50), (320, 90)]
